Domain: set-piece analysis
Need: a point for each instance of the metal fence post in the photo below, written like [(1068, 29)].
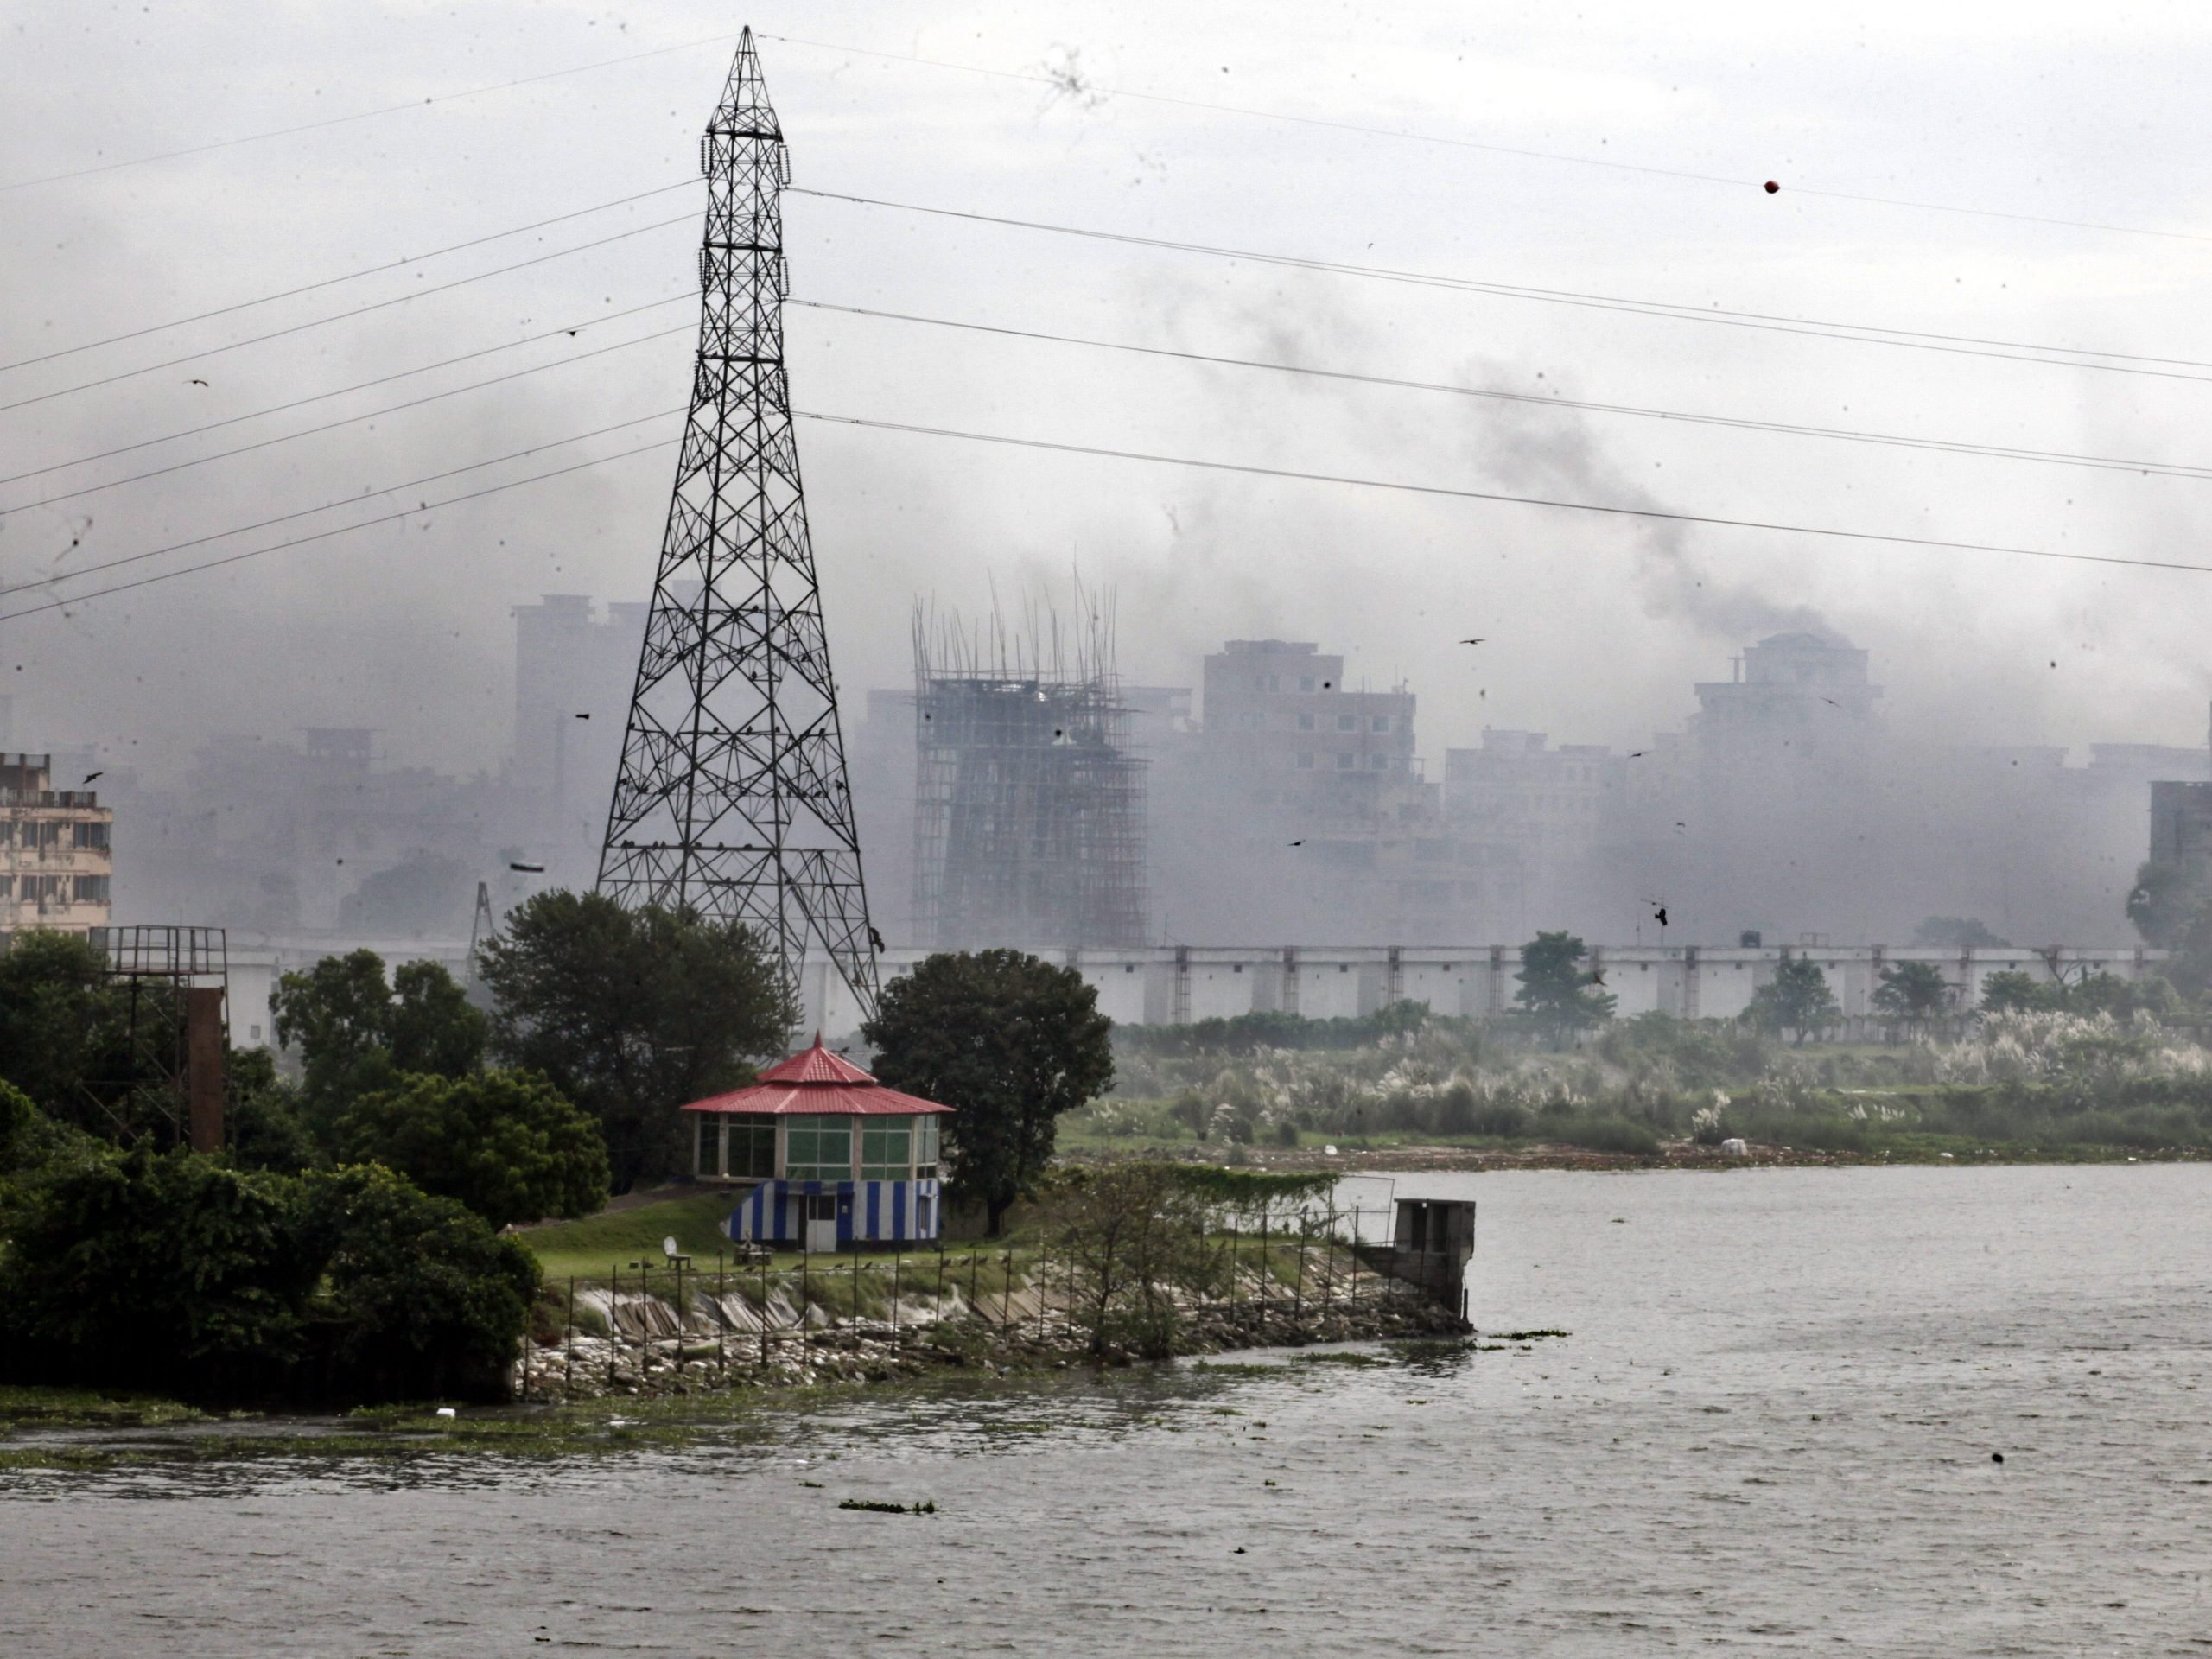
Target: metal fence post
[(569, 1375)]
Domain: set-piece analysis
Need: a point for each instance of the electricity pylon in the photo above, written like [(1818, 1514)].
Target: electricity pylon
[(731, 800)]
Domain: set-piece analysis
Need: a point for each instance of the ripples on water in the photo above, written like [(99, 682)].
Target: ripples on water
[(1770, 1432)]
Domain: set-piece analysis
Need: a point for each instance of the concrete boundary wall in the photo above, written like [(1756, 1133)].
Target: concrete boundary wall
[(1178, 984), (1181, 984)]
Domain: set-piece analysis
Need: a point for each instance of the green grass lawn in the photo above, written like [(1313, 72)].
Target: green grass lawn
[(589, 1248)]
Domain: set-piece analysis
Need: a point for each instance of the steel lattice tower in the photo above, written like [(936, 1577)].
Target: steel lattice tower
[(731, 800)]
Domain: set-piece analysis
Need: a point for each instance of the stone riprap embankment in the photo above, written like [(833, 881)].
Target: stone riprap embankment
[(655, 1342)]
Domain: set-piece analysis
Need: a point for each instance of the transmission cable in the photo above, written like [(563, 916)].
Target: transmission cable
[(1455, 494), (1074, 84), (350, 420), (686, 297), (347, 276), (340, 316), (363, 115), (1889, 440), (1246, 469), (1860, 333), (328, 506), (326, 535), (1940, 445)]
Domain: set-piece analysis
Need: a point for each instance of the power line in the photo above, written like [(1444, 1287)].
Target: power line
[(328, 506), (1889, 440), (326, 535), (1860, 333), (1246, 469), (350, 420), (1941, 446), (359, 386), (1454, 493), (361, 115), (340, 316), (1064, 84), (347, 276)]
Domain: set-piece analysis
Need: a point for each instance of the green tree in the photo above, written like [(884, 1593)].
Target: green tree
[(419, 1297), (1555, 991), (261, 1125), (1798, 1000), (2165, 902), (84, 1047), (505, 1143), (357, 1032), (2014, 992), (631, 1013), (181, 1273), (431, 1025), (1009, 1042), (171, 1271), (1131, 1234), (1912, 993)]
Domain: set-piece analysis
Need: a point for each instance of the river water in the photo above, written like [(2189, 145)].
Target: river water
[(1771, 1431)]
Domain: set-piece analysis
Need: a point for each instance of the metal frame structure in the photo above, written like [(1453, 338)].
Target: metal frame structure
[(1029, 808), (187, 1042), (732, 801)]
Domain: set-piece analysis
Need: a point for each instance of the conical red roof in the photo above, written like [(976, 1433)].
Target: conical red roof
[(816, 1064), (816, 1081)]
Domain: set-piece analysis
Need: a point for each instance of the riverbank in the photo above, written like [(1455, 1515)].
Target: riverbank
[(712, 1333), (1412, 1155)]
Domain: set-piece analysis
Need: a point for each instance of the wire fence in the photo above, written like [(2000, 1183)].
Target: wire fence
[(1287, 1275)]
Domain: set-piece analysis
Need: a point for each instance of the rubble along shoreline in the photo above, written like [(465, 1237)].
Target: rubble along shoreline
[(723, 1344)]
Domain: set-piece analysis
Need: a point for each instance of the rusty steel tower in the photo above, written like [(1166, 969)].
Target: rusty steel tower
[(731, 800)]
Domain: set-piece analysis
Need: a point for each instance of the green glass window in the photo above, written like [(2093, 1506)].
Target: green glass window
[(709, 1158), (818, 1149), (752, 1146), (886, 1149), (925, 1147)]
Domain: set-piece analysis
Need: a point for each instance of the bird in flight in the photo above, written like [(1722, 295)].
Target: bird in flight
[(876, 938), (1474, 642), (1595, 977), (92, 775), (1658, 912), (583, 716), (1638, 754), (529, 869), (196, 383), (1297, 843)]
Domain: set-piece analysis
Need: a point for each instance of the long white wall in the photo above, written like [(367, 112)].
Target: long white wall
[(1176, 985)]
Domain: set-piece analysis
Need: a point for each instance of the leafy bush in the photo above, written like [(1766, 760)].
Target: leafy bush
[(184, 1274), (423, 1299), (505, 1143), (1603, 1134), (1253, 1033)]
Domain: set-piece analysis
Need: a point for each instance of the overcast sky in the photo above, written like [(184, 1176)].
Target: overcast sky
[(1595, 627)]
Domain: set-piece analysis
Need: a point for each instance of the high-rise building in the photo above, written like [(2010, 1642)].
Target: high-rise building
[(55, 861)]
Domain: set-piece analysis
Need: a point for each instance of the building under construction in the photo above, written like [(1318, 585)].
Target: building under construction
[(1029, 809)]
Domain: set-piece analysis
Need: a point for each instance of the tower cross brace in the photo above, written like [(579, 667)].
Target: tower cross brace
[(732, 801)]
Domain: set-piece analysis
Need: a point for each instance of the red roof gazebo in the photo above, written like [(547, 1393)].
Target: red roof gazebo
[(817, 1083), (830, 1155)]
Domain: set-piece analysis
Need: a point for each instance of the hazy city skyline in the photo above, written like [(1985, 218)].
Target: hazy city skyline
[(1590, 623)]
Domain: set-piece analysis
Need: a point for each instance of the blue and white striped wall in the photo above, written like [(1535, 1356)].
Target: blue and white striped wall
[(869, 1213)]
